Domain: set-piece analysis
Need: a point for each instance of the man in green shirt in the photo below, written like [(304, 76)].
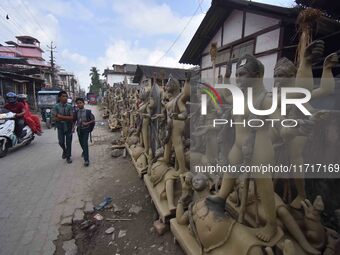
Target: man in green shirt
[(85, 122), (64, 119)]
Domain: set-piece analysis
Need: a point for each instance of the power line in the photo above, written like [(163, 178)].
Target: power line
[(27, 8), (6, 25), (16, 9), (180, 34), (12, 20), (11, 23), (200, 5)]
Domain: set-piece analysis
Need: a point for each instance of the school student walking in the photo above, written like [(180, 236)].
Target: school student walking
[(64, 119), (85, 122)]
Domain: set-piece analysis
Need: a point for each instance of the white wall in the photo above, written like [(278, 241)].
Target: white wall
[(255, 23), (206, 61), (207, 75), (233, 31), (216, 39), (114, 78), (233, 27), (268, 41), (233, 70), (269, 63), (223, 69)]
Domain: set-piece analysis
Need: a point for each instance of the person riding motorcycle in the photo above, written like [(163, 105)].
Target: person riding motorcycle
[(33, 121), (19, 109)]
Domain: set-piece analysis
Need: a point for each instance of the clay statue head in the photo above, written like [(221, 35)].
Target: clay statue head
[(200, 182), (318, 204), (172, 86), (337, 216), (284, 73), (248, 68), (187, 177), (144, 96)]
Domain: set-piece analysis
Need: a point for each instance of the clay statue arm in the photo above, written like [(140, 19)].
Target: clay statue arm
[(157, 116), (226, 95), (146, 115), (183, 115), (186, 90), (304, 76), (303, 128), (327, 85), (182, 217)]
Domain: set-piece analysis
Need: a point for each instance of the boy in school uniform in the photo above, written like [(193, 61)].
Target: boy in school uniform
[(64, 118), (84, 121)]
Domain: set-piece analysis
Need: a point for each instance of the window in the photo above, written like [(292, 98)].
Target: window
[(223, 56), (241, 49)]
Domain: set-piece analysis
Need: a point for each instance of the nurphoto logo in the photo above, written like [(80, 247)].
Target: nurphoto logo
[(280, 102)]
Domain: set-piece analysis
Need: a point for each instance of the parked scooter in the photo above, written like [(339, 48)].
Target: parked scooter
[(8, 140)]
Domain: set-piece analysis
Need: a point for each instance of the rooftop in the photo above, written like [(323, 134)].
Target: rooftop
[(27, 39), (163, 72), (125, 69), (221, 9)]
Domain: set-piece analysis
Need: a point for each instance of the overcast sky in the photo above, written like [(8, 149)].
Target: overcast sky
[(103, 32)]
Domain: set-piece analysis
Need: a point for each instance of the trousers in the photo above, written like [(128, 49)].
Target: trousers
[(83, 136), (65, 135)]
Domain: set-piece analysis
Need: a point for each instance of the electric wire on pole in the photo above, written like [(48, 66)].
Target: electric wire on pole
[(180, 34), (52, 50), (29, 12)]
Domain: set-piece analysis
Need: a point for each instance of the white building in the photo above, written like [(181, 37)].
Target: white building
[(68, 82), (238, 27), (119, 74)]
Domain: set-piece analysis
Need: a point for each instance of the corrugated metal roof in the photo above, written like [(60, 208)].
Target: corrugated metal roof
[(13, 60), (163, 72), (20, 77)]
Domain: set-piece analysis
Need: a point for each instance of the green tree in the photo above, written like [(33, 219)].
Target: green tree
[(95, 85)]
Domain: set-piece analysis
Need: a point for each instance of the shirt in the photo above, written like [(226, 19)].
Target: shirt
[(66, 110), (18, 107), (83, 117)]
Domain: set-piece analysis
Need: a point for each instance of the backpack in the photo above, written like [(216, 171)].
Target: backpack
[(89, 116)]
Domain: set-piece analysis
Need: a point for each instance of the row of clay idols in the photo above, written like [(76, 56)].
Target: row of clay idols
[(213, 223), (205, 215), (255, 147)]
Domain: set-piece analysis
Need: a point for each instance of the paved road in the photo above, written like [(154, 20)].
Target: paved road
[(37, 190)]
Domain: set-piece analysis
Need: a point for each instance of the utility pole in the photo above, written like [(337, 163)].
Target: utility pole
[(52, 48)]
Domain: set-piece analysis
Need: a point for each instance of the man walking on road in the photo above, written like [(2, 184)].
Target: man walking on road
[(85, 122), (64, 119)]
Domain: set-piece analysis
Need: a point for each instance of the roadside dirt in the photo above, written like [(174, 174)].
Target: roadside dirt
[(117, 178)]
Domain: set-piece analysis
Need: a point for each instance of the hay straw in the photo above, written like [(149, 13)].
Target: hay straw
[(305, 23)]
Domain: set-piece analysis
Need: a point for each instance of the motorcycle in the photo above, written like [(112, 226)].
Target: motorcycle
[(8, 140)]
